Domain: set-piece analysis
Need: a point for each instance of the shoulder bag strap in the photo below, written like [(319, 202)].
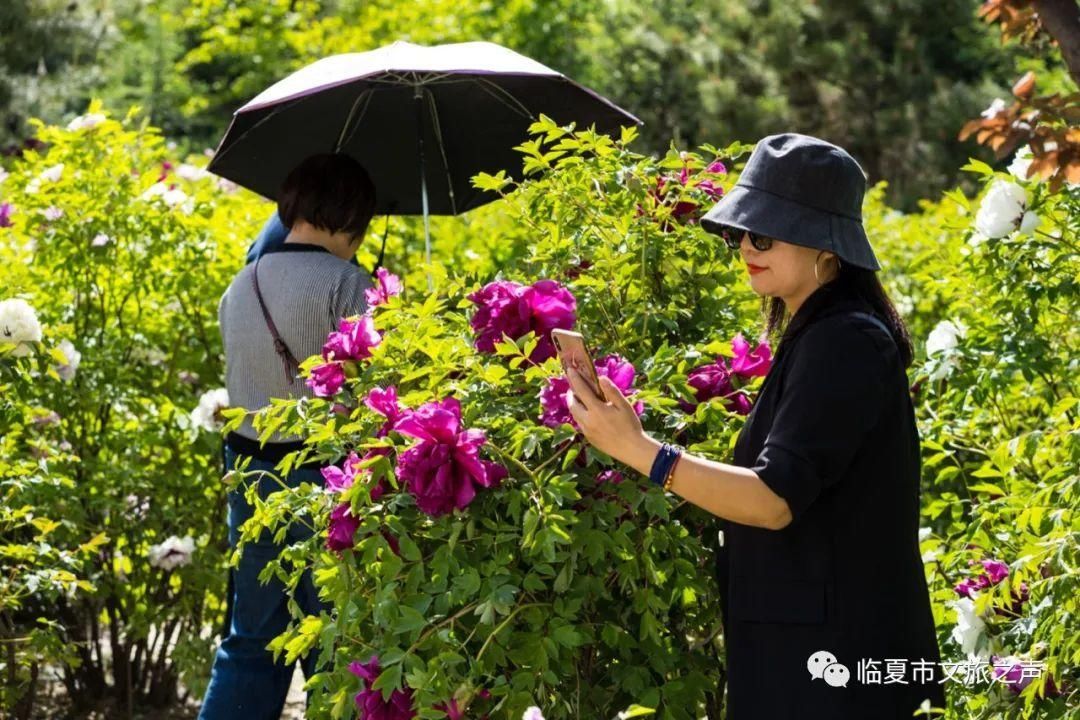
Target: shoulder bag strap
[(280, 347)]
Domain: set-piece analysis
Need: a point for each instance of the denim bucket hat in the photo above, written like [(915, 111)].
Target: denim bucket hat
[(802, 190)]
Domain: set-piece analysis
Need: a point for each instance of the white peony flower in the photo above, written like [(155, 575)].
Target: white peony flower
[(173, 197), (53, 174), (53, 213), (172, 553), (86, 122), (100, 240), (227, 186), (73, 357), (945, 336), (969, 628), (156, 190), (532, 713), (924, 533), (995, 107), (148, 355), (137, 506), (1021, 162), (4, 175), (210, 404), (941, 346), (190, 172), (19, 324), (1029, 222), (1002, 209)]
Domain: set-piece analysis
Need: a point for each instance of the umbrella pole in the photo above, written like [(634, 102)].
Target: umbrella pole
[(418, 95)]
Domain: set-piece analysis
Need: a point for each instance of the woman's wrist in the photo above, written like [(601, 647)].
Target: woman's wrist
[(642, 452)]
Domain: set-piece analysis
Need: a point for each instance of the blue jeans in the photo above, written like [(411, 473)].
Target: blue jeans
[(245, 681)]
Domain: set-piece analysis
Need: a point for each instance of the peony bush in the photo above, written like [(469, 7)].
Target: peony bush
[(114, 519), (481, 559)]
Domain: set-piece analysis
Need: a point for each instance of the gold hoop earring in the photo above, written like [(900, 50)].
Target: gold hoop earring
[(816, 277)]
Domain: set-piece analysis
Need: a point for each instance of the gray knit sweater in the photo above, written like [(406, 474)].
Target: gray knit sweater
[(307, 289)]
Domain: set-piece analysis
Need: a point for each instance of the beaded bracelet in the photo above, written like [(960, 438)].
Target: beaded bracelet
[(671, 473), (663, 463)]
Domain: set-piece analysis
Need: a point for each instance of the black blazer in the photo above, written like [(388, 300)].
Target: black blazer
[(832, 432)]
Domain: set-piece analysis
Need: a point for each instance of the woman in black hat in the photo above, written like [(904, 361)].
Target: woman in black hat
[(826, 607)]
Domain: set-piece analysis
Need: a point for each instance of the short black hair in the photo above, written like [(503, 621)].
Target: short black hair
[(331, 191)]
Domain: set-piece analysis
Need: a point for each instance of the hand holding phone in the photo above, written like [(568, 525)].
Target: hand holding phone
[(573, 354)]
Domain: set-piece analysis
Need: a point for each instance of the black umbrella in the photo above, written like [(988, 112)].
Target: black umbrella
[(422, 120)]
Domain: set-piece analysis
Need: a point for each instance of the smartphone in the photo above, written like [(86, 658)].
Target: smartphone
[(573, 354)]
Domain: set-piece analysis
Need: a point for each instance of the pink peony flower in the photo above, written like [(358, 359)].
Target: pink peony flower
[(716, 379), (387, 286), (371, 703), (353, 340), (685, 211), (749, 363), (556, 411), (452, 710), (512, 309), (995, 572), (339, 479), (609, 476), (327, 379), (5, 214), (342, 529), (1012, 671), (444, 469), (385, 403)]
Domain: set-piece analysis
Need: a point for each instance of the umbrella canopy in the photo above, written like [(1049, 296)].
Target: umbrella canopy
[(423, 120)]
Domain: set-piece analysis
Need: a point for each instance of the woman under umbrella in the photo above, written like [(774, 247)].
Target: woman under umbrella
[(826, 608)]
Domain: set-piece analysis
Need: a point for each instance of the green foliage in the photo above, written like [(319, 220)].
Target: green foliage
[(999, 422), (38, 557), (131, 279)]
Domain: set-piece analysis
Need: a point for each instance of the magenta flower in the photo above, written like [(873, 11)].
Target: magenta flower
[(339, 479), (717, 379), (387, 285), (609, 476), (995, 572), (371, 703), (749, 363), (327, 379), (685, 210), (712, 381), (385, 403), (444, 470), (5, 214), (1014, 676), (553, 403), (342, 529), (353, 340), (452, 709), (512, 309)]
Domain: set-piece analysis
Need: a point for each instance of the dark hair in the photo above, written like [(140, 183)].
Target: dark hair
[(862, 283), (331, 191)]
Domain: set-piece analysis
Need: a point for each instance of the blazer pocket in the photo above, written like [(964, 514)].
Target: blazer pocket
[(778, 601)]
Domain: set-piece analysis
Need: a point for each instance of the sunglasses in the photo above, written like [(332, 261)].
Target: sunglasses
[(733, 238)]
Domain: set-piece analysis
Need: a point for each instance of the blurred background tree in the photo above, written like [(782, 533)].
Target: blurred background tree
[(892, 81)]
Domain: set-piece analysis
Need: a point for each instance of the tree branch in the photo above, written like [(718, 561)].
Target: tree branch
[(1061, 18)]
